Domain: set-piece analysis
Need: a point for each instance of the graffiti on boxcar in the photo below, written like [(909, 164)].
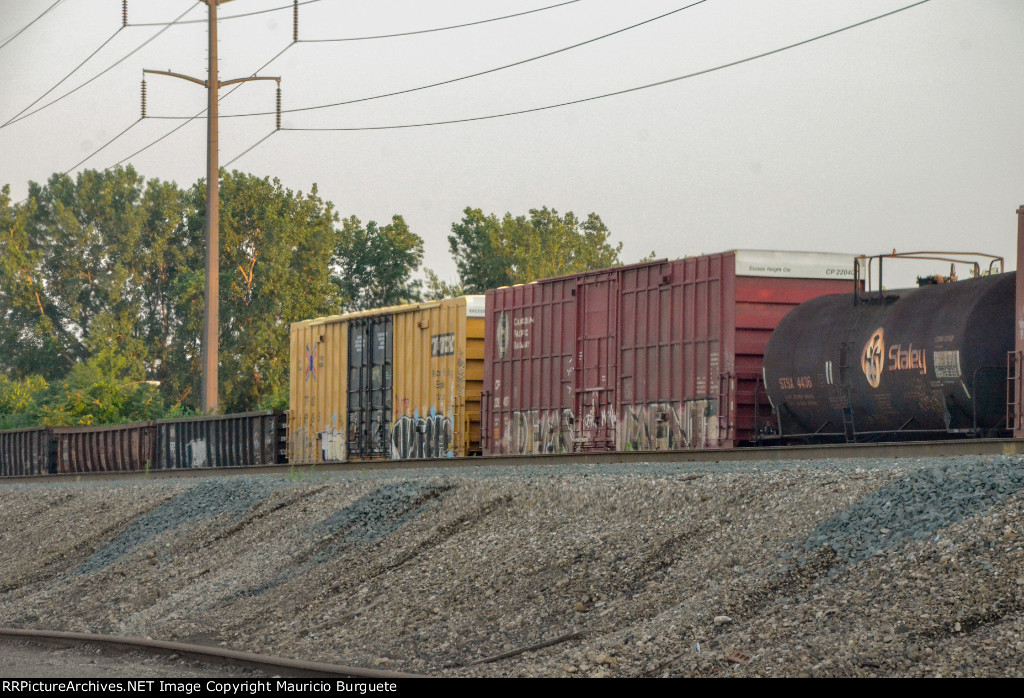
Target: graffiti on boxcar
[(658, 426), (423, 437), (301, 446), (538, 431), (655, 426), (332, 441), (195, 453), (332, 445)]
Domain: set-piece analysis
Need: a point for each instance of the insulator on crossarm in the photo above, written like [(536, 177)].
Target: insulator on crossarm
[(124, 13), (278, 107), (295, 23), (143, 98)]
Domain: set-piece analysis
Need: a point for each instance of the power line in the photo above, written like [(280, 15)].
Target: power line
[(176, 128), (102, 147), (18, 33), (200, 113), (250, 148), (220, 19), (438, 29), (59, 82), (618, 92), (464, 77), (101, 73), (96, 152), (147, 147)]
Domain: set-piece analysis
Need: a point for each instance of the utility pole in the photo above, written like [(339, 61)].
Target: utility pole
[(211, 301)]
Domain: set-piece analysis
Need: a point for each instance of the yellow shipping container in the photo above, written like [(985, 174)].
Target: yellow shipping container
[(436, 378), (318, 367), (439, 372)]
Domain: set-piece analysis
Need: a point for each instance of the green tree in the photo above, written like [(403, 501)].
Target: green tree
[(76, 257), (91, 396), (435, 289), (20, 401), (489, 252), (27, 332), (374, 266), (276, 246)]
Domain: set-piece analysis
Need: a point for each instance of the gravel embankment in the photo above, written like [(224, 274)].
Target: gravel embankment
[(827, 568)]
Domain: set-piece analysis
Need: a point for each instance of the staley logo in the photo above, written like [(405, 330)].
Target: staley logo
[(872, 357), (901, 358)]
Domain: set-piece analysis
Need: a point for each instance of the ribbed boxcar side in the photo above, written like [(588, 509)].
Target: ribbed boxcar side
[(372, 384), (252, 438), (652, 356), (529, 380), (105, 449), (25, 452), (318, 390), (438, 359)]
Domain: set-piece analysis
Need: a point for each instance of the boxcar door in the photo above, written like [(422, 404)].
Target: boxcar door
[(370, 354), (596, 362)]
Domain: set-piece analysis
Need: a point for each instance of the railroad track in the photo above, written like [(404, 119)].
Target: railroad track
[(909, 449), (272, 666)]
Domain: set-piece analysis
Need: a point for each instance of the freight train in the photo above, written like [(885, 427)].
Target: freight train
[(664, 354), (715, 351)]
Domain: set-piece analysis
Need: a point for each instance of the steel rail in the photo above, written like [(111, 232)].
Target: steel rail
[(908, 449), (275, 666)]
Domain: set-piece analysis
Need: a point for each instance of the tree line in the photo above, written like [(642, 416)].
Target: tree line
[(102, 275)]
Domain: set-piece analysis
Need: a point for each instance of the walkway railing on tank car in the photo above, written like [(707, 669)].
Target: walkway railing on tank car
[(862, 282)]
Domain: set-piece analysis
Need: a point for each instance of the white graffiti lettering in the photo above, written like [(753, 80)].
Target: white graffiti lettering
[(423, 437), (196, 453)]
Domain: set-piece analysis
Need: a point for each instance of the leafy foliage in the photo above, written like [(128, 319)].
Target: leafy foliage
[(88, 396), (436, 289), (374, 266), (20, 401), (274, 250), (101, 291), (489, 252)]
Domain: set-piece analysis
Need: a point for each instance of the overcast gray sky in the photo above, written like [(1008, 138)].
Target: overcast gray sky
[(902, 133)]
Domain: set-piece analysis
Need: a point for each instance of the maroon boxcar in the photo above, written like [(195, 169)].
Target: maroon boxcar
[(653, 356)]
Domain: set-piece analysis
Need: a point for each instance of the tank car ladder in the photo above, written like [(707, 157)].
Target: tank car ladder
[(849, 428), (1014, 385)]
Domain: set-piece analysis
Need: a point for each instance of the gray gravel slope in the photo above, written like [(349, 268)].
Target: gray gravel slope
[(830, 568)]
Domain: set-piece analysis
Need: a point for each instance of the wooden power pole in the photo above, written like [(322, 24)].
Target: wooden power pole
[(211, 301)]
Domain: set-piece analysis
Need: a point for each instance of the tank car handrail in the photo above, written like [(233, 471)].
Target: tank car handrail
[(922, 255)]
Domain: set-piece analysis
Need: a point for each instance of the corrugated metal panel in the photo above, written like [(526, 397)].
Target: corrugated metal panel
[(529, 375), (658, 355), (597, 361), (651, 339), (253, 438), (25, 452), (438, 353), (318, 390), (760, 306), (106, 449), (370, 385)]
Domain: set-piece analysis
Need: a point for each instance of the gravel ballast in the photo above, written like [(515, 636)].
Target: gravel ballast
[(910, 567)]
